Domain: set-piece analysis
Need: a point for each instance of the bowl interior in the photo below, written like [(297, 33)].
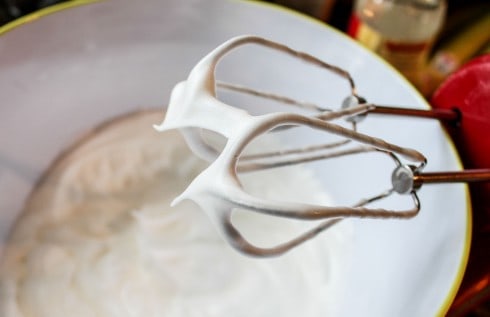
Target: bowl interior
[(68, 71)]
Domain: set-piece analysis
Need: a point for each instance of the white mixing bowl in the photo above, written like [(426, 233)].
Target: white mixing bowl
[(67, 68)]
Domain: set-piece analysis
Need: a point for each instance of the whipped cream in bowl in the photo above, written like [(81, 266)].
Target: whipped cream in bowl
[(98, 238)]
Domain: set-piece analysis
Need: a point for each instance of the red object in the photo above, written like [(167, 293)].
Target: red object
[(354, 24), (468, 90)]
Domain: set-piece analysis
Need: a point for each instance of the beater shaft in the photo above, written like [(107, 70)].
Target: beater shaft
[(446, 115), (475, 175)]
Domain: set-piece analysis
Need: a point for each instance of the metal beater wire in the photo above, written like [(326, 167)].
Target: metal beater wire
[(195, 111)]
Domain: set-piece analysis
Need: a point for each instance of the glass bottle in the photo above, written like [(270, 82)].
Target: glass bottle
[(400, 31)]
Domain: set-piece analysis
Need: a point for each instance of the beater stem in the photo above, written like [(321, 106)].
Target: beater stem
[(448, 115), (475, 175)]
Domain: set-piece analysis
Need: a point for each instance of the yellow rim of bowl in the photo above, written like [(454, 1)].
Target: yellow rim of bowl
[(466, 250), (42, 13)]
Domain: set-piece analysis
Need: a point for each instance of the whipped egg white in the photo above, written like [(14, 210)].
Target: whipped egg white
[(98, 238)]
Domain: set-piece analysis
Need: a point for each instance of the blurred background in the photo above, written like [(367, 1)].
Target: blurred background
[(442, 38)]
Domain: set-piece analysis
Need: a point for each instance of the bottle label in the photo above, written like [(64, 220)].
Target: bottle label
[(408, 57)]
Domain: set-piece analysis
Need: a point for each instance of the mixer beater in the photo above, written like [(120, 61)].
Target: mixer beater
[(194, 107)]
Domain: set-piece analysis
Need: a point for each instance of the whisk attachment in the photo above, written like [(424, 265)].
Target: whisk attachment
[(194, 107), (403, 180), (354, 101)]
